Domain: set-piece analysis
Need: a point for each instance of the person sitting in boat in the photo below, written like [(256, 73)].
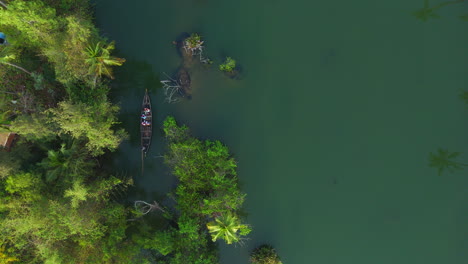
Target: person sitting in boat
[(143, 116), (147, 110), (145, 123)]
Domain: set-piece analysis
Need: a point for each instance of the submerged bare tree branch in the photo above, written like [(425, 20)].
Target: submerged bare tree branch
[(171, 89), (145, 208)]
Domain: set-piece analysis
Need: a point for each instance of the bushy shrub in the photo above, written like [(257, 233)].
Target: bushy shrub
[(228, 66), (265, 254)]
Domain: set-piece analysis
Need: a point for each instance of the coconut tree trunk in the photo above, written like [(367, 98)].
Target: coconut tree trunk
[(16, 66)]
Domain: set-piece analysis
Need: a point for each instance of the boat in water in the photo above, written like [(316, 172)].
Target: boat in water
[(146, 124)]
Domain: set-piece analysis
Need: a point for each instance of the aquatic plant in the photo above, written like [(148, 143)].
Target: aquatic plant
[(193, 44), (265, 254), (228, 66)]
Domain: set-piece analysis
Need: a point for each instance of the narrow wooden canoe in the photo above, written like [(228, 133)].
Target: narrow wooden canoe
[(146, 123)]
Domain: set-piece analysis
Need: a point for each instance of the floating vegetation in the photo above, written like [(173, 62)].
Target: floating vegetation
[(228, 66)]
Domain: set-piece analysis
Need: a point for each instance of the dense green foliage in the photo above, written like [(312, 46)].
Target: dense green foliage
[(55, 205), (208, 200), (229, 65), (49, 43), (55, 200), (264, 254)]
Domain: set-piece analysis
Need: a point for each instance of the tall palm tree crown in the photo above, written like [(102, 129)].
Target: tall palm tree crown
[(100, 60), (226, 228)]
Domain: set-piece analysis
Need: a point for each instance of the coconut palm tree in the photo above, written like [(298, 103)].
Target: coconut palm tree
[(226, 227), (100, 60), (65, 161)]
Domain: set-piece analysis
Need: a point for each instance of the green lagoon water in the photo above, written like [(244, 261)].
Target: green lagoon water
[(338, 107)]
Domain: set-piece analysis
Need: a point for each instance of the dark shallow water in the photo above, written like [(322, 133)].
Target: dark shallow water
[(339, 104)]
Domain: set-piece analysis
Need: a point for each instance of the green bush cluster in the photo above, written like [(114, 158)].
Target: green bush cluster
[(264, 254), (228, 66)]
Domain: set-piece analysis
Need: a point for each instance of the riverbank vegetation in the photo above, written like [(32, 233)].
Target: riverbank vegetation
[(207, 200), (60, 200)]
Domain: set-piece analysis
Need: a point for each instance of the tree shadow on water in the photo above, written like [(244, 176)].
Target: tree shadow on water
[(128, 89), (136, 76)]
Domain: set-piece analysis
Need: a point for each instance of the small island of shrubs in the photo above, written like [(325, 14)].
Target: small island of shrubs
[(228, 66), (265, 254)]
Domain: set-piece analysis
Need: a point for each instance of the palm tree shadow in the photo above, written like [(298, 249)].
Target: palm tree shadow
[(428, 12), (444, 160)]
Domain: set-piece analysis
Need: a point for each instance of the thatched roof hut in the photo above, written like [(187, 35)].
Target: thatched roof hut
[(6, 140)]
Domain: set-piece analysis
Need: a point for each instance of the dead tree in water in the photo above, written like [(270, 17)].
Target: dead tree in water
[(171, 89), (193, 45), (205, 60), (199, 52), (145, 208)]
